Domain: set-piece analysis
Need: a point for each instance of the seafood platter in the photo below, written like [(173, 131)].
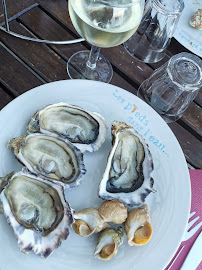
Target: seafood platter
[(33, 199), (88, 178)]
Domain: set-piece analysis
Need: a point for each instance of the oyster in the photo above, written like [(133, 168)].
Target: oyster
[(50, 157), (108, 243), (137, 226), (37, 211), (87, 130), (127, 176), (113, 211), (88, 221), (196, 19)]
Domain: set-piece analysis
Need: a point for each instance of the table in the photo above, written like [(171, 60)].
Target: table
[(25, 65)]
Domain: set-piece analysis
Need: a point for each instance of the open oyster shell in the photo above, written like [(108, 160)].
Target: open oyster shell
[(37, 211), (88, 221), (108, 243), (50, 157), (196, 19), (137, 226), (87, 130), (1, 208), (127, 177)]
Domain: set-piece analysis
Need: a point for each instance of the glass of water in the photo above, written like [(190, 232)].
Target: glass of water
[(173, 86), (103, 24), (157, 27)]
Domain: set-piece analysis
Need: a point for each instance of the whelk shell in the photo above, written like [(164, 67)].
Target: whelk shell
[(113, 211), (88, 221), (137, 226), (108, 243)]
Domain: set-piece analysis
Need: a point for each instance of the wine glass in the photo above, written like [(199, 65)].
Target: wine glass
[(105, 24)]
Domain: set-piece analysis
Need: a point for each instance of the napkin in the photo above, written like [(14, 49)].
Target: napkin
[(196, 206)]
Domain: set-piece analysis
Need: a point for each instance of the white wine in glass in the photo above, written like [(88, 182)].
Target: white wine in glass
[(102, 23)]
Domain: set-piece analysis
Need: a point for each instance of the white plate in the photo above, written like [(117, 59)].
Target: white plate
[(185, 34), (169, 207)]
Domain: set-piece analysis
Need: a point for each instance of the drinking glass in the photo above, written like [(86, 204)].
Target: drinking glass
[(105, 24), (173, 86), (156, 29)]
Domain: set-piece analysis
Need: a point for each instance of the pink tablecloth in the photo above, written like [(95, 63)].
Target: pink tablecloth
[(196, 206)]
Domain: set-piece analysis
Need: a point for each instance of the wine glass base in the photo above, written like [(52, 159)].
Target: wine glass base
[(77, 69)]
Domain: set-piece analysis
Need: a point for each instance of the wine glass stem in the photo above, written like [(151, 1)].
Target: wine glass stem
[(93, 57)]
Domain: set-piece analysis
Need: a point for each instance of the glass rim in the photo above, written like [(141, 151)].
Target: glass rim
[(164, 10), (106, 3), (191, 58)]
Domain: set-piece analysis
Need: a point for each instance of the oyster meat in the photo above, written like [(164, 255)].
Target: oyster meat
[(87, 130), (88, 221), (37, 211), (108, 243), (50, 157), (127, 177), (137, 226)]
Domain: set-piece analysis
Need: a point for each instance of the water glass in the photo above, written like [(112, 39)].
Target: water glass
[(173, 86), (156, 29)]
